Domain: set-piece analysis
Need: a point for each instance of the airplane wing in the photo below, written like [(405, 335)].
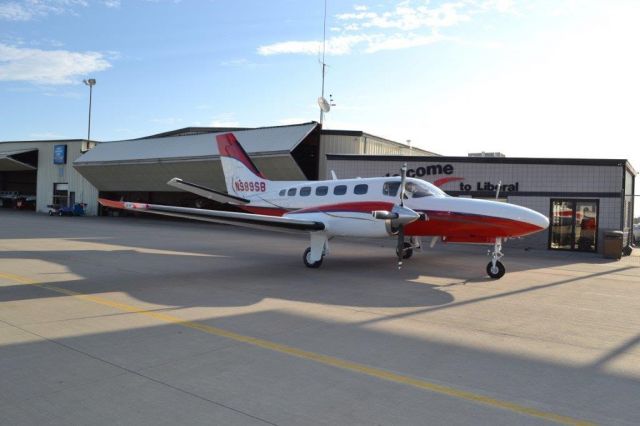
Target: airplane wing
[(203, 191), (249, 220)]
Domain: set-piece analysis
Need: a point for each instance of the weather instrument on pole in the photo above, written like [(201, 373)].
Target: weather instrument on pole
[(324, 105)]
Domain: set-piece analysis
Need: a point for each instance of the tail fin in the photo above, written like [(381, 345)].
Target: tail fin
[(240, 174)]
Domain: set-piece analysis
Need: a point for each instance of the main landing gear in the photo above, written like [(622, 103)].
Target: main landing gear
[(495, 268), (306, 258), (314, 255)]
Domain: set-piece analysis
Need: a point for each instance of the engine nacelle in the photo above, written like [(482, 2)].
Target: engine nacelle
[(399, 215)]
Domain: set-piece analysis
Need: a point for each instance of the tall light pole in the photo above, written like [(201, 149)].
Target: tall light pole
[(90, 82)]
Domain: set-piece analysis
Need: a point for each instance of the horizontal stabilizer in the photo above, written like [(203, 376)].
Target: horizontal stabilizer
[(206, 192)]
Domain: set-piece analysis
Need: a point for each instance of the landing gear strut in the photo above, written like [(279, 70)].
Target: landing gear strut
[(314, 255), (495, 268)]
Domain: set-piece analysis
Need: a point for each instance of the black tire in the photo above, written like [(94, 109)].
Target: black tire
[(496, 275), (309, 264), (408, 251), (60, 213), (50, 213), (626, 251)]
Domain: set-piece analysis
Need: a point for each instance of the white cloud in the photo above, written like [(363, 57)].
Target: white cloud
[(401, 41), (14, 12), (339, 45), (26, 10), (406, 17), (48, 66), (409, 23), (112, 3), (226, 119)]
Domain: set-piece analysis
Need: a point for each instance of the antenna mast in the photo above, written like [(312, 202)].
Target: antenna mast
[(324, 45)]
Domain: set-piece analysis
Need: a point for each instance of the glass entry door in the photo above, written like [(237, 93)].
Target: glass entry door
[(574, 225)]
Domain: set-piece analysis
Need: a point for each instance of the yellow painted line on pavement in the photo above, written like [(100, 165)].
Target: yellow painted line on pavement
[(312, 356)]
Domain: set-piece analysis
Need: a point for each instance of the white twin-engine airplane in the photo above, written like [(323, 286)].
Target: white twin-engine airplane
[(373, 207)]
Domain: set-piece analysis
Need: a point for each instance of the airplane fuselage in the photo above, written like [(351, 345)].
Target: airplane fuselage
[(346, 206)]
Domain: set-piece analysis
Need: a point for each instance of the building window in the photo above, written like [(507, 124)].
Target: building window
[(361, 189), (305, 191), (291, 192), (340, 190), (322, 190), (574, 225)]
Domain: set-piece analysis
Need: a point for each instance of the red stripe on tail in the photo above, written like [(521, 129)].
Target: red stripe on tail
[(228, 146)]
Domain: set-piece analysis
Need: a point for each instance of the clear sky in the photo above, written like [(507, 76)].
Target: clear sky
[(554, 78)]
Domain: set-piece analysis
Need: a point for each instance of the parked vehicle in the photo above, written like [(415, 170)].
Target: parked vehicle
[(76, 210)]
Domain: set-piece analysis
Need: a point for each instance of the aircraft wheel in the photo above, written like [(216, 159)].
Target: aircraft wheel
[(307, 261), (408, 251), (497, 272)]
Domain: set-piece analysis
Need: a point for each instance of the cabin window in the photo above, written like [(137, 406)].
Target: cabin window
[(305, 191), (291, 192), (361, 189), (322, 190), (340, 190), (282, 192), (391, 188)]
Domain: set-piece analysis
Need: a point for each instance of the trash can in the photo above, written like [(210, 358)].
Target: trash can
[(613, 244)]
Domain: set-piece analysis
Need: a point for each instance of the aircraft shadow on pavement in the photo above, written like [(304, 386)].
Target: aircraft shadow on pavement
[(149, 370)]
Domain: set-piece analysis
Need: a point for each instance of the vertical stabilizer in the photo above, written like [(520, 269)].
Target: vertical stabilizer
[(241, 176)]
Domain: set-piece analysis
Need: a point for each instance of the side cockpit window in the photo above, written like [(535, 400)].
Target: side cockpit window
[(415, 190), (391, 188)]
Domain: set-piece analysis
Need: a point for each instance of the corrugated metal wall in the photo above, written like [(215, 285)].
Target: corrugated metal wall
[(361, 145)]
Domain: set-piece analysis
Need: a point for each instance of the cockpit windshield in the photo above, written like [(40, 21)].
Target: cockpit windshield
[(413, 189)]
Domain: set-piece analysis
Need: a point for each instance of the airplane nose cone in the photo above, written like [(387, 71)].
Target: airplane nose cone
[(533, 217), (539, 219)]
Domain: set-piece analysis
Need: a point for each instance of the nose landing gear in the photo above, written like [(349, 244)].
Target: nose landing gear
[(495, 268)]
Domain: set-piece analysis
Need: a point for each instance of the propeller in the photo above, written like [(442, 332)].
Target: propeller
[(400, 246), (398, 217)]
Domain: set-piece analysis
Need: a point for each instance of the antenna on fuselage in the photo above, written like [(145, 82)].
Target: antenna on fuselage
[(498, 190)]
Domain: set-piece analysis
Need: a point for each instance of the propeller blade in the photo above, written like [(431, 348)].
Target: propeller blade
[(400, 247), (403, 176)]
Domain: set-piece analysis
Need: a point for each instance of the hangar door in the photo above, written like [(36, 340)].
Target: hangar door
[(18, 179)]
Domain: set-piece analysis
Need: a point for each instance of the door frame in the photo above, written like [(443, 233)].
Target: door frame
[(573, 202)]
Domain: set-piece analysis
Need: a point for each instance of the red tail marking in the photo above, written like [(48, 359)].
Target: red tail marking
[(229, 146)]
